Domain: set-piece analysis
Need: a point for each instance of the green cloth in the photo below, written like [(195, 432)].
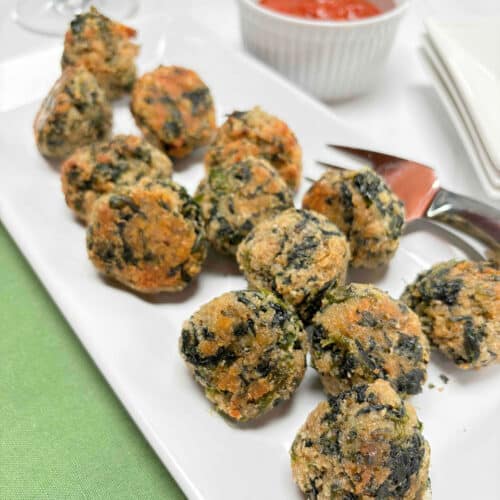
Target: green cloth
[(63, 433)]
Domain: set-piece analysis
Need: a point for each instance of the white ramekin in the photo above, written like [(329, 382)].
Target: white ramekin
[(331, 60)]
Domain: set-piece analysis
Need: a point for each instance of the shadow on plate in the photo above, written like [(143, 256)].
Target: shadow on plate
[(310, 384), (278, 412), (123, 102), (422, 225), (54, 164), (313, 384), (443, 234), (193, 159), (463, 377), (283, 408), (76, 220), (218, 263), (363, 275), (155, 298)]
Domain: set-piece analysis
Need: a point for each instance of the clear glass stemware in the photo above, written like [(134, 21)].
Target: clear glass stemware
[(52, 16)]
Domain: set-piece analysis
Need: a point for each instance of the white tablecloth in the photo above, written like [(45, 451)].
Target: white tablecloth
[(401, 115)]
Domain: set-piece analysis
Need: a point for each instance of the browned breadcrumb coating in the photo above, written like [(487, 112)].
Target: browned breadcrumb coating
[(174, 109), (149, 237), (360, 444), (361, 334), (234, 199), (247, 349), (74, 113), (99, 168), (257, 133), (103, 47), (493, 255), (364, 208), (459, 306), (297, 254)]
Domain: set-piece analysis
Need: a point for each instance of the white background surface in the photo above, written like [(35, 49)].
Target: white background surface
[(402, 115)]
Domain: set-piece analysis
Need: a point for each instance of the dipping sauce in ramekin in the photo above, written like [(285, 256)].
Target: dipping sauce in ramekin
[(332, 59), (334, 10)]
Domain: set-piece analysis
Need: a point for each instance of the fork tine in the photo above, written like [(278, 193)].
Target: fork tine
[(373, 156), (330, 165)]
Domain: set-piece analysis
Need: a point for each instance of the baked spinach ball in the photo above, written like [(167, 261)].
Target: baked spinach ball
[(459, 306), (364, 208), (99, 168), (297, 254), (149, 237), (103, 47), (360, 334), (360, 444), (247, 349), (74, 113), (234, 199), (257, 133), (174, 109)]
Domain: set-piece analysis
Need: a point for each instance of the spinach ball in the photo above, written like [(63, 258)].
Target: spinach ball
[(458, 303), (103, 47), (361, 204), (174, 109), (361, 334), (235, 199), (297, 254), (99, 168), (360, 444), (149, 237), (75, 113), (257, 133), (247, 349)]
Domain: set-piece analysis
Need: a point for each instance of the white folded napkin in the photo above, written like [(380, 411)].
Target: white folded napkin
[(465, 66)]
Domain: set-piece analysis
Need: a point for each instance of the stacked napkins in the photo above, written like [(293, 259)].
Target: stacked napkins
[(464, 62)]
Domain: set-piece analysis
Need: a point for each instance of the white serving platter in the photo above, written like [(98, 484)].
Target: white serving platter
[(134, 339)]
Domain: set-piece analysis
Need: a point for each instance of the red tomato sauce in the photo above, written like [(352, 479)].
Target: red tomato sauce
[(335, 10)]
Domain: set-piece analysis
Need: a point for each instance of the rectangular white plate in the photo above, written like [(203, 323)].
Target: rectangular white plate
[(134, 341)]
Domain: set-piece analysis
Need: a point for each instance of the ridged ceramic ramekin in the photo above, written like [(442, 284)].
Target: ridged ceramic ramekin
[(331, 60)]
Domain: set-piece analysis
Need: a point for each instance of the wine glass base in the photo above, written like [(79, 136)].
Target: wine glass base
[(49, 18)]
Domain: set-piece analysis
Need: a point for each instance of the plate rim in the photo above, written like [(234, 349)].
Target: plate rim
[(16, 232)]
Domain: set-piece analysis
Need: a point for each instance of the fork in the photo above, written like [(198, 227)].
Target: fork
[(417, 185)]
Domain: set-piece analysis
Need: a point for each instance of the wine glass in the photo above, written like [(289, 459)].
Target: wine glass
[(52, 16)]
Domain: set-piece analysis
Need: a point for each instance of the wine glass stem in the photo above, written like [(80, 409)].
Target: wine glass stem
[(71, 6)]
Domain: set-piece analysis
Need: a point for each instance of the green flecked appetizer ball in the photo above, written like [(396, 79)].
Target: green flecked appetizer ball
[(361, 204), (74, 113), (99, 168), (360, 444), (247, 350), (459, 306), (235, 199), (104, 48), (174, 109), (259, 134), (297, 254), (360, 334), (149, 236)]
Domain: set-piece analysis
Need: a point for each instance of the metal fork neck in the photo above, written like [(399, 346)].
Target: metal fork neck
[(473, 217)]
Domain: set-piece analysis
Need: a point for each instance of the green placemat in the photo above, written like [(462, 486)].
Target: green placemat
[(63, 433)]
